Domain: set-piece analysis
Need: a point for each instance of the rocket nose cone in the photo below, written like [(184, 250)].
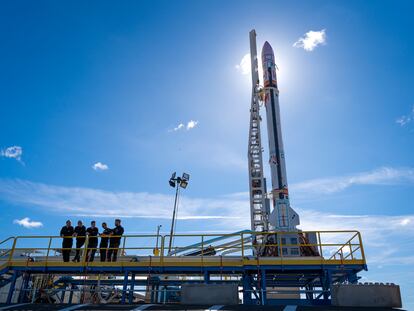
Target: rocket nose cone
[(267, 49)]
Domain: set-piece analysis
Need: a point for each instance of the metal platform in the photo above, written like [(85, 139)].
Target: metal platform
[(301, 280)]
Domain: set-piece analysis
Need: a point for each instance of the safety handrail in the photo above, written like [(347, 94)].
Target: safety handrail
[(237, 243), (349, 244), (6, 250), (8, 239)]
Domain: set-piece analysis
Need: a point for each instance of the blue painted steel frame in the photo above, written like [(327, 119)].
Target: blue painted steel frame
[(325, 273), (12, 286)]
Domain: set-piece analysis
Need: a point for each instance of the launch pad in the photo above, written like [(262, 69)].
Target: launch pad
[(222, 259)]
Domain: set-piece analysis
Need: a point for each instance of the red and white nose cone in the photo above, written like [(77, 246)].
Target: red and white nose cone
[(268, 63), (267, 50)]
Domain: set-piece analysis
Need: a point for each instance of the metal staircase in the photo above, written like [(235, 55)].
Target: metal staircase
[(258, 207)]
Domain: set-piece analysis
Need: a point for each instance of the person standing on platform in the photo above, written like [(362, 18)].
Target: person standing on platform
[(103, 246), (115, 240), (80, 234), (66, 233), (92, 233)]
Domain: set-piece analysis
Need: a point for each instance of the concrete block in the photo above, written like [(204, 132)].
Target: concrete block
[(282, 292), (367, 295), (210, 294)]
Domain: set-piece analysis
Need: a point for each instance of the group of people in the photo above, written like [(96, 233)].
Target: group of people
[(108, 247)]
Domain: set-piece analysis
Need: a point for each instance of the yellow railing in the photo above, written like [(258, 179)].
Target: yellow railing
[(321, 246)]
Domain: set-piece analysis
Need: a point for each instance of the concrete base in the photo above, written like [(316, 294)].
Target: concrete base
[(367, 295), (210, 294), (282, 293)]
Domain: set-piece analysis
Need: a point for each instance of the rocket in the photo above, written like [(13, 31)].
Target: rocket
[(282, 217)]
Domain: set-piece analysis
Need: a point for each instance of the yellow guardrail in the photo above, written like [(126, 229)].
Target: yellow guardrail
[(322, 247)]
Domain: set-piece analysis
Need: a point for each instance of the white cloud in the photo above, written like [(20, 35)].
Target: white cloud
[(13, 152), (388, 239), (311, 40), (99, 166), (190, 125), (179, 127), (406, 119), (369, 224), (244, 67), (87, 201), (27, 223), (380, 176)]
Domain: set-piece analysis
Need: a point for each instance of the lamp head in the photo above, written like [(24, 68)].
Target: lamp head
[(172, 180), (172, 183), (184, 180), (184, 184)]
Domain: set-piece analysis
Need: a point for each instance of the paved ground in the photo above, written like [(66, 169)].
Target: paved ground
[(65, 307)]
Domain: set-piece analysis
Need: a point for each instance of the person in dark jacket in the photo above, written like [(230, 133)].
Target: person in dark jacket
[(92, 233), (80, 234), (103, 246), (115, 240), (66, 233)]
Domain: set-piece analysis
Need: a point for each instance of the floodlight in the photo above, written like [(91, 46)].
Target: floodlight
[(172, 179), (183, 183), (176, 182)]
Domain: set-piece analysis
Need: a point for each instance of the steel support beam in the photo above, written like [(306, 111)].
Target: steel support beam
[(71, 293), (62, 296), (131, 289), (327, 284), (12, 287), (247, 289), (124, 287), (206, 277), (263, 289), (23, 288)]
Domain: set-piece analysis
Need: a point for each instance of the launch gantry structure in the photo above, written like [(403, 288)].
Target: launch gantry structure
[(259, 204), (282, 218)]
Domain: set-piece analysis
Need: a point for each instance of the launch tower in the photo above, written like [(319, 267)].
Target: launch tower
[(282, 217)]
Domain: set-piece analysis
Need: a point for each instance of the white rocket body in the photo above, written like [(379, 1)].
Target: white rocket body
[(282, 217)]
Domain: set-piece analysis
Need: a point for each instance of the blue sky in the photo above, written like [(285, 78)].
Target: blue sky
[(108, 82)]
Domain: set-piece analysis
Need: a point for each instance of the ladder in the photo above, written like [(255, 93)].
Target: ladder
[(258, 210)]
